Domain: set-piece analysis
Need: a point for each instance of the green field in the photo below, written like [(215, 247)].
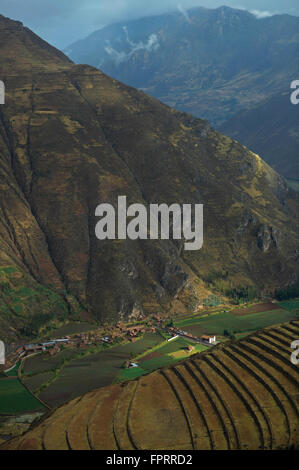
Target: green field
[(167, 357), (14, 398), (13, 372), (217, 323), (290, 304), (145, 367)]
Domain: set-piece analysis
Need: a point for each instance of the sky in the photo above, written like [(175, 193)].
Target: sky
[(61, 22)]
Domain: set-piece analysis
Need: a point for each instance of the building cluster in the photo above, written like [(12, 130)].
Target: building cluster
[(132, 332), (120, 332), (52, 347)]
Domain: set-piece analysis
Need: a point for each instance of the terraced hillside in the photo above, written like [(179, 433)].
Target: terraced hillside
[(242, 395)]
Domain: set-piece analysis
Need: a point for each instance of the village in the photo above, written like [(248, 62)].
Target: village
[(108, 336)]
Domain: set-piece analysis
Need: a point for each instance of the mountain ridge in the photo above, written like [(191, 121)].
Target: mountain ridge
[(194, 45), (215, 64)]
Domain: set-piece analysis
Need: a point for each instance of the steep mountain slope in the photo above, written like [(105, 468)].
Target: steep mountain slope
[(242, 395), (212, 63), (270, 129), (71, 138)]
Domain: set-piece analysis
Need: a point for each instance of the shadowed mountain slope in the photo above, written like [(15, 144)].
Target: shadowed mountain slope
[(71, 138), (272, 130)]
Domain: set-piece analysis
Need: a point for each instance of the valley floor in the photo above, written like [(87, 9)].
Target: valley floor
[(238, 395), (71, 373)]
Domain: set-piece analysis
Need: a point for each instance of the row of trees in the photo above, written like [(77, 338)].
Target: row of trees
[(290, 292), (242, 294)]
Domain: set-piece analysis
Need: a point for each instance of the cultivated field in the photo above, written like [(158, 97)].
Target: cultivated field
[(162, 356), (290, 304), (266, 307), (70, 374), (15, 398), (242, 320), (239, 395)]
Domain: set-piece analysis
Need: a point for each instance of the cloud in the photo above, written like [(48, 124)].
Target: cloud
[(62, 22), (184, 12), (263, 14), (118, 57)]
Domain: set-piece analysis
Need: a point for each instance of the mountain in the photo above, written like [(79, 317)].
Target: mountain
[(239, 396), (211, 63), (214, 64), (71, 138), (270, 129)]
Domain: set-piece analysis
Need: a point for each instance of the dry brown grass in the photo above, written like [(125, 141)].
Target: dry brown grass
[(100, 426), (156, 417)]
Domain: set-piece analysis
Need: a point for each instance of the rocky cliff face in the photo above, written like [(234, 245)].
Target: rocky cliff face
[(71, 138)]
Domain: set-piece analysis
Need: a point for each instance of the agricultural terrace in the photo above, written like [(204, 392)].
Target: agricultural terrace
[(239, 395)]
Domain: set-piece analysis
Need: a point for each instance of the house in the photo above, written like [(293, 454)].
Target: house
[(53, 351), (190, 348), (106, 339), (33, 348), (209, 339)]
